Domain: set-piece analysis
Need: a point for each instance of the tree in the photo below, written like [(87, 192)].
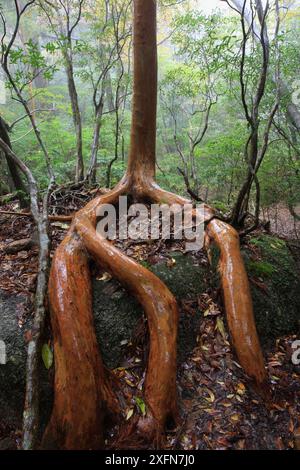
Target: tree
[(82, 390), (182, 98), (63, 18), (21, 67), (293, 113), (254, 150), (40, 216), (19, 186), (102, 65)]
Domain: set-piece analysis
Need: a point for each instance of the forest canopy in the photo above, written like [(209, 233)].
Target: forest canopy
[(72, 67)]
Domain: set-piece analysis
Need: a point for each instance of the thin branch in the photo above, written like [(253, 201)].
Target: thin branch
[(11, 126)]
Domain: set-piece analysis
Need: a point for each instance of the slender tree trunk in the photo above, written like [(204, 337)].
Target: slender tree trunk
[(40, 216), (91, 175), (14, 172), (109, 93), (76, 117), (117, 139), (32, 120), (238, 213), (292, 110)]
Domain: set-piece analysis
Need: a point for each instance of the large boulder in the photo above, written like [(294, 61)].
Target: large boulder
[(117, 314), (12, 373), (275, 286), (273, 271)]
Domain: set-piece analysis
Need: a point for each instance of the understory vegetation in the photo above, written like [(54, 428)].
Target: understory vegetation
[(77, 85)]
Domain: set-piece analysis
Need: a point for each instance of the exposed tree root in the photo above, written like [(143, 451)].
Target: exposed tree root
[(82, 391), (236, 291), (79, 405), (162, 313), (81, 387), (238, 302)]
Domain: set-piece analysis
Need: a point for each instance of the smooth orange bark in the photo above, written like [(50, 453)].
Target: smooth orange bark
[(238, 301), (82, 393)]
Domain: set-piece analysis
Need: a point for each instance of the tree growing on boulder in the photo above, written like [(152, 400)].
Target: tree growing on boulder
[(83, 394)]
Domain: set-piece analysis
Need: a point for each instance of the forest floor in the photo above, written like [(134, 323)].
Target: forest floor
[(218, 407)]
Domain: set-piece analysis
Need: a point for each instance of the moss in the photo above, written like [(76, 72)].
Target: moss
[(220, 206), (277, 300), (275, 286), (267, 242), (261, 268), (146, 264)]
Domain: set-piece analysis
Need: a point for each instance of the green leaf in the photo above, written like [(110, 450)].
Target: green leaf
[(141, 405), (220, 326), (47, 356)]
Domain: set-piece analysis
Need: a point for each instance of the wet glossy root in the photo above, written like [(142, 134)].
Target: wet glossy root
[(238, 302), (83, 394), (162, 313)]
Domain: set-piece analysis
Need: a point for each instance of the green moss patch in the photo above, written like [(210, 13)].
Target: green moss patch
[(275, 286)]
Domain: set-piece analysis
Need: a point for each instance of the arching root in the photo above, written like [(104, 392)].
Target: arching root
[(236, 291), (82, 391), (81, 387), (238, 302), (162, 313)]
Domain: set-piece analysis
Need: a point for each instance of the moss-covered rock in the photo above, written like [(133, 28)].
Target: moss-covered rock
[(117, 313), (12, 373), (275, 286)]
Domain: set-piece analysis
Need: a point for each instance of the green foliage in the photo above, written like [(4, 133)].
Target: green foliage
[(199, 63), (47, 356), (141, 405), (29, 62), (207, 40)]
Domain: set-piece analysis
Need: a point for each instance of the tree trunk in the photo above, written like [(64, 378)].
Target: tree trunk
[(14, 172), (76, 117), (31, 407), (241, 205), (142, 154), (91, 175)]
